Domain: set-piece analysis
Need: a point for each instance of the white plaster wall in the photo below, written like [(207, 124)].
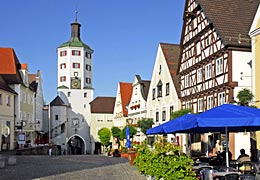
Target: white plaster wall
[(239, 64), (164, 102), (242, 140), (119, 120)]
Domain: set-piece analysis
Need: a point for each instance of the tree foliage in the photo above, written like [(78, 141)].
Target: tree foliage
[(104, 136), (133, 132), (116, 131), (179, 113), (145, 124), (245, 96)]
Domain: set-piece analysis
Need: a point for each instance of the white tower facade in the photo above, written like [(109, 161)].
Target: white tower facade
[(75, 86)]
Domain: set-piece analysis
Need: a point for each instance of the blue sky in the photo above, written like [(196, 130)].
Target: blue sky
[(123, 34)]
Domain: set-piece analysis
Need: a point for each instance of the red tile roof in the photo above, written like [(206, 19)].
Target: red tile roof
[(171, 53), (24, 66), (231, 18), (8, 61), (103, 105), (10, 66), (126, 94)]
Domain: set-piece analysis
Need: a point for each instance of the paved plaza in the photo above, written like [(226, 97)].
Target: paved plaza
[(89, 167)]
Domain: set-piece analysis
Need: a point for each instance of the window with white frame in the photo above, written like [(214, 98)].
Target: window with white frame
[(188, 105), (62, 78), (209, 102), (1, 100), (208, 71), (221, 98), (200, 105), (63, 53), (75, 53), (88, 67), (76, 65), (219, 66), (199, 75), (8, 100), (63, 66), (167, 89), (153, 93), (164, 116), (187, 80), (157, 117), (171, 111), (88, 80)]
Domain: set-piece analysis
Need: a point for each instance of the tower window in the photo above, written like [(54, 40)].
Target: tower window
[(63, 66), (76, 65), (88, 55), (69, 94), (62, 78), (63, 53), (85, 95), (88, 80), (88, 67), (75, 53), (56, 117)]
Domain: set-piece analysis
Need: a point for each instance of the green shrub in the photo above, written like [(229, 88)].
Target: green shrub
[(164, 161)]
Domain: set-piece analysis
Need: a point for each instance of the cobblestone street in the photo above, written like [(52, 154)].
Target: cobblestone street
[(90, 167)]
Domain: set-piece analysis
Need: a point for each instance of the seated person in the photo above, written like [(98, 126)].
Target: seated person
[(243, 157), (223, 155)]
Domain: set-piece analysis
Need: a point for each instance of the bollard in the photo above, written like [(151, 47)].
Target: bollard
[(11, 160), (2, 163)]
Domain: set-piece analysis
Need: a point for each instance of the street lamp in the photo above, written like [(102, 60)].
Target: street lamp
[(129, 121)]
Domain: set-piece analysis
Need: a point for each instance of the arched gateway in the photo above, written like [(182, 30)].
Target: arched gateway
[(76, 145)]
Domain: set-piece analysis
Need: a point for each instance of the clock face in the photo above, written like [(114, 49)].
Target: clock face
[(75, 84)]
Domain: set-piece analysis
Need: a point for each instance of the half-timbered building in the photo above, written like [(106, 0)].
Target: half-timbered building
[(215, 60)]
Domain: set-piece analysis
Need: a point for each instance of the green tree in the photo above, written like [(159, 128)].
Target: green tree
[(179, 113), (116, 131), (245, 96), (104, 136), (145, 124), (133, 132)]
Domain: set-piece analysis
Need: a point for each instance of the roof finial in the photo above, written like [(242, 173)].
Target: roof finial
[(76, 12)]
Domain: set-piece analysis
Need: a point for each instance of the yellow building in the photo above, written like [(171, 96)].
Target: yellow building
[(255, 40)]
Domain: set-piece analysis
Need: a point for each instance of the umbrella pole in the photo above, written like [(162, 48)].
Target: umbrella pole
[(227, 148)]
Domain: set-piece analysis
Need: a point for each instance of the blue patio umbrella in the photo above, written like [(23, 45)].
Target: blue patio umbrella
[(178, 124), (225, 118), (128, 141)]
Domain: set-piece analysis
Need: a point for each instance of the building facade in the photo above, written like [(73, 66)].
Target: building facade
[(102, 109), (123, 97), (255, 43), (215, 55), (75, 87), (137, 108)]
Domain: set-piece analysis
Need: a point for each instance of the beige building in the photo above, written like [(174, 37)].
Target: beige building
[(7, 96), (102, 109)]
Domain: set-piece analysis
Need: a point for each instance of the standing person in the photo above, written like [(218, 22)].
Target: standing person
[(50, 150), (217, 148)]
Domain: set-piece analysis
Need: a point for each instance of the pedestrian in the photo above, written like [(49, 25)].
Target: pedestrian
[(50, 150)]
